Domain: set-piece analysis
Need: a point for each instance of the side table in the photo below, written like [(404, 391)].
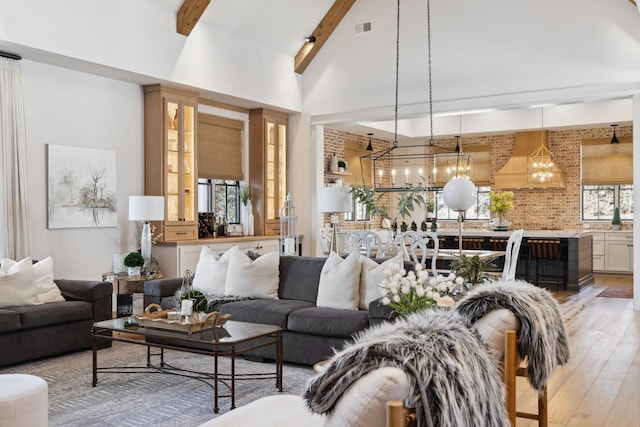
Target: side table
[(134, 284)]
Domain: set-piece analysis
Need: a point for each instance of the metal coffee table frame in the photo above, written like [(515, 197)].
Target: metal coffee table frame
[(234, 339)]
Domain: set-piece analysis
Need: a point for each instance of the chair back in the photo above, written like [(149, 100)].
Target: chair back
[(418, 245), (325, 239), (511, 258), (364, 240)]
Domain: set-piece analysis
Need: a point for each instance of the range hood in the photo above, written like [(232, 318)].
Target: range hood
[(514, 174)]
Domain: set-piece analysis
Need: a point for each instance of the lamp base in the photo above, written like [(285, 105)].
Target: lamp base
[(145, 244), (333, 246)]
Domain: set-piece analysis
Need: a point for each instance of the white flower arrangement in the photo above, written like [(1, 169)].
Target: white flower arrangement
[(409, 292)]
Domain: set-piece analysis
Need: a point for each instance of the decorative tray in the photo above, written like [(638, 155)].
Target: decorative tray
[(155, 317)]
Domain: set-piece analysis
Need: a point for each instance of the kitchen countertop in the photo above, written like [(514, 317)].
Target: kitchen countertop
[(535, 233)]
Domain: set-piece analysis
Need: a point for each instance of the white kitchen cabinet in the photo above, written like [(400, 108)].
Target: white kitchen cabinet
[(618, 252), (598, 251)]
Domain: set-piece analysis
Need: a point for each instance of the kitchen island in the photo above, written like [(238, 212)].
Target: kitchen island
[(576, 251)]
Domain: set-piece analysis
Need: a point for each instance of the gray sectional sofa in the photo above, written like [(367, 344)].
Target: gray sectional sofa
[(310, 333), (35, 331)]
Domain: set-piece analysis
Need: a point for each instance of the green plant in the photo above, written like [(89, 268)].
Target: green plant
[(501, 202), (342, 164), (408, 200), (134, 259), (473, 269), (414, 226), (200, 303), (245, 195), (616, 217), (403, 226), (431, 205), (423, 226)]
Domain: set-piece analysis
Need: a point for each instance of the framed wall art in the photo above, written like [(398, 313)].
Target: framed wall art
[(81, 190)]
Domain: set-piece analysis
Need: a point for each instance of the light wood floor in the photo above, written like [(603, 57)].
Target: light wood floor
[(600, 386)]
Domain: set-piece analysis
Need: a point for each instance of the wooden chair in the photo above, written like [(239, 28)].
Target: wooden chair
[(399, 416), (366, 240), (416, 246)]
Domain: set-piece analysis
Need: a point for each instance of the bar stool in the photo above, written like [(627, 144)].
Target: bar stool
[(471, 243), (547, 251)]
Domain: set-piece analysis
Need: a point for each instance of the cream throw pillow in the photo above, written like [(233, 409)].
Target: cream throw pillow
[(17, 285), (253, 279), (339, 285), (371, 276), (48, 291), (211, 271)]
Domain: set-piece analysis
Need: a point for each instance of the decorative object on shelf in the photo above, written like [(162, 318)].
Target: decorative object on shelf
[(118, 263), (614, 139), (146, 208), (133, 261), (288, 228), (333, 163), (342, 166), (206, 224), (434, 156), (615, 222), (334, 200), (245, 199), (500, 203), (541, 163), (155, 317), (407, 292)]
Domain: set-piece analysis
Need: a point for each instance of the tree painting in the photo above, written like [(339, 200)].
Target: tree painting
[(82, 187)]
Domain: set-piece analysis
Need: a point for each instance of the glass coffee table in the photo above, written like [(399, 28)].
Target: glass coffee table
[(232, 339)]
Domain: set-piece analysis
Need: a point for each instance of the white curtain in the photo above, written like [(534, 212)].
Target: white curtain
[(15, 235)]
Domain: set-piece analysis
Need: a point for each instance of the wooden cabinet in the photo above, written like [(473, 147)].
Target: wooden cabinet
[(268, 168), (618, 255), (170, 118)]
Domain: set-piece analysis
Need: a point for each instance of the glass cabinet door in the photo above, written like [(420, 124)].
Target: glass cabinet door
[(276, 158), (180, 163)]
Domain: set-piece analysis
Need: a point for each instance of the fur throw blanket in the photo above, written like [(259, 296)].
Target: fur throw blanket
[(542, 338), (454, 381)]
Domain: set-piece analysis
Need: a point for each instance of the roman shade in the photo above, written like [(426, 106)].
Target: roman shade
[(605, 163), (219, 148)]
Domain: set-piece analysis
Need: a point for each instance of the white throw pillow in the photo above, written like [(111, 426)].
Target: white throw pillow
[(16, 284), (48, 291), (211, 272), (339, 285), (371, 276), (254, 279)]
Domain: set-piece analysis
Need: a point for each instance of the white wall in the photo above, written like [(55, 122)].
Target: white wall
[(65, 107)]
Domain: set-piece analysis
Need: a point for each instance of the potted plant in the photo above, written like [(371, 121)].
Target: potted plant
[(199, 305), (133, 261), (342, 166), (501, 203), (431, 208), (615, 222), (473, 269)]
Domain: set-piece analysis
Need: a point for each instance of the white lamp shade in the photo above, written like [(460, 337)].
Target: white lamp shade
[(334, 199), (146, 208), (459, 194)]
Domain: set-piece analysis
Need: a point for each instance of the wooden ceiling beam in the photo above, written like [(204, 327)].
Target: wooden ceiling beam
[(189, 14), (322, 32)]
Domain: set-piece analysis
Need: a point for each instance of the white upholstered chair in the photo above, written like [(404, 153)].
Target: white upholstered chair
[(418, 245), (511, 258), (364, 240)]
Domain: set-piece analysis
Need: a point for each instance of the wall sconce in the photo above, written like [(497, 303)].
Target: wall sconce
[(614, 140)]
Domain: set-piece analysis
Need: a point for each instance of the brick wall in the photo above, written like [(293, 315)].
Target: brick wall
[(541, 208)]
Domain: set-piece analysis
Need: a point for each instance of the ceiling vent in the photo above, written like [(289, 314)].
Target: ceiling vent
[(363, 27)]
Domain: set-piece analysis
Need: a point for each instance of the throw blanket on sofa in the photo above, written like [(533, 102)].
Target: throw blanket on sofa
[(454, 381), (542, 338)]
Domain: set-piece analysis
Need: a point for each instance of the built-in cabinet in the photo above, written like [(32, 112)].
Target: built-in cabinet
[(613, 251), (170, 118), (268, 168), (177, 257)]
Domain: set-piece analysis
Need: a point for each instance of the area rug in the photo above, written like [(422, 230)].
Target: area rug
[(145, 399), (617, 292)]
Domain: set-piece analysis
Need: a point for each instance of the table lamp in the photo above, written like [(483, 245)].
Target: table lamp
[(459, 194), (146, 208), (334, 200)]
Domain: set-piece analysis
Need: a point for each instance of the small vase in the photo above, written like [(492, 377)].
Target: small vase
[(390, 249)]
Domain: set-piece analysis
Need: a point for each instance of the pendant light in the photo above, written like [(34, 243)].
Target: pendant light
[(614, 140), (541, 163), (370, 147)]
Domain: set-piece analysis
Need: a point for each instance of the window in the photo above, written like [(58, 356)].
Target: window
[(221, 197), (479, 210), (359, 213), (598, 202)]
